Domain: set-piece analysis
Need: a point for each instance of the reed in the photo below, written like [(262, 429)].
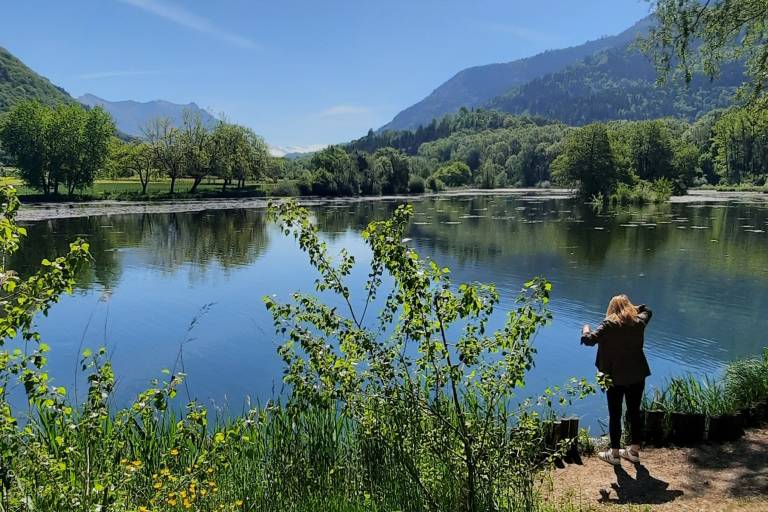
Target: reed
[(746, 381), (684, 395)]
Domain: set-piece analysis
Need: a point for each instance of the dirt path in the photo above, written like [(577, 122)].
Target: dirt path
[(733, 476)]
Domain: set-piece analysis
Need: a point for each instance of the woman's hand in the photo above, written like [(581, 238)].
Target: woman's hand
[(585, 329)]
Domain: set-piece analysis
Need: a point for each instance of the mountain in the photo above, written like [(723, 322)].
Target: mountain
[(476, 86), (292, 152), (19, 83), (131, 116), (619, 83)]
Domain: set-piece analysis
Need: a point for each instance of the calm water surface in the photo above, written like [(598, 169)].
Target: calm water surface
[(703, 268)]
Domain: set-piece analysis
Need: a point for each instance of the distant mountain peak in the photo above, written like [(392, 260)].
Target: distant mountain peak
[(132, 116)]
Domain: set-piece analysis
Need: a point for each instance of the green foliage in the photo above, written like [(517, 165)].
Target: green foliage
[(134, 158), (692, 35), (435, 184), (409, 141), (426, 377), (417, 185), (453, 174), (227, 151), (746, 381), (18, 84), (714, 399), (740, 145), (65, 145), (642, 192), (684, 394), (745, 384), (587, 161), (285, 188), (618, 83), (334, 173)]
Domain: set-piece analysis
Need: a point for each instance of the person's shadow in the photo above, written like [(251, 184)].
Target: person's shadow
[(644, 489)]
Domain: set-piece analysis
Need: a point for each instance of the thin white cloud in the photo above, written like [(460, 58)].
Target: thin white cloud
[(96, 75), (524, 33), (180, 16), (284, 150), (345, 110)]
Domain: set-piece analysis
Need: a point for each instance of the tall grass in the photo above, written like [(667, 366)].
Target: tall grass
[(746, 381), (743, 385), (684, 394), (153, 457), (643, 192)]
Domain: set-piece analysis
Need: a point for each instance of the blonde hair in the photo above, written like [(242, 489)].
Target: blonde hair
[(621, 310)]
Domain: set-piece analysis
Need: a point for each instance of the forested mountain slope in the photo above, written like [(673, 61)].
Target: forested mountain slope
[(619, 83), (476, 86), (19, 83)]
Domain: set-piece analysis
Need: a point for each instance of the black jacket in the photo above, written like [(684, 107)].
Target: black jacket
[(620, 349)]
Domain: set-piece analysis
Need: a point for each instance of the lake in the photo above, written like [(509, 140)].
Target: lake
[(183, 290)]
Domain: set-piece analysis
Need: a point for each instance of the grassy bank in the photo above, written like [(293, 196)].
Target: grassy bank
[(743, 187), (130, 190)]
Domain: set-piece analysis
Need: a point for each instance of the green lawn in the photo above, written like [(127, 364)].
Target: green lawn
[(131, 188)]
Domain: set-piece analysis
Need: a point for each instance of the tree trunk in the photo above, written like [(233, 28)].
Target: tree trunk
[(195, 183), (224, 185), (173, 183), (144, 187)]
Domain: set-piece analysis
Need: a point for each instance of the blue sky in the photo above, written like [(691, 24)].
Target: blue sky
[(297, 72)]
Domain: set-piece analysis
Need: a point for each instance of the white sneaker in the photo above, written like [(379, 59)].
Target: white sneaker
[(627, 454), (607, 456)]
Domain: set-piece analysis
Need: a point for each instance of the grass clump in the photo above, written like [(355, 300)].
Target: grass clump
[(285, 188), (746, 381), (642, 192)]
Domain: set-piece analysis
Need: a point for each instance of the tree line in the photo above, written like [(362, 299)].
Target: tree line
[(69, 145), (489, 149)]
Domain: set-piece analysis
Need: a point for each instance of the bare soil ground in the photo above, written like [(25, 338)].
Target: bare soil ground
[(731, 476)]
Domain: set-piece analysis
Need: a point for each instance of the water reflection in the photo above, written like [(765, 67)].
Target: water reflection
[(702, 267), (231, 238)]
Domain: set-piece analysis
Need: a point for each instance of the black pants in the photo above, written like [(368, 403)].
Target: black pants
[(633, 394)]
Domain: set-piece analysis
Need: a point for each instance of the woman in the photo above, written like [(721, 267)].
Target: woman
[(620, 358)]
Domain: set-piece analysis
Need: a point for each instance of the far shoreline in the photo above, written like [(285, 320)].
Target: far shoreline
[(39, 211)]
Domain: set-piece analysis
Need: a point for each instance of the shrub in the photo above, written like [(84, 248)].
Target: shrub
[(285, 188), (404, 379), (663, 189), (642, 192), (435, 184), (623, 194), (454, 174), (416, 185)]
